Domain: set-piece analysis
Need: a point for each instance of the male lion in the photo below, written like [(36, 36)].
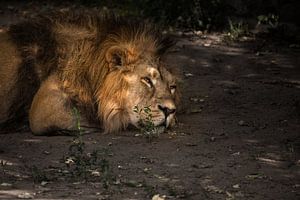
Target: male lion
[(104, 66)]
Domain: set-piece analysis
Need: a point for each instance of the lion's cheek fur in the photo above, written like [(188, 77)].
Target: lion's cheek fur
[(112, 116), (111, 103)]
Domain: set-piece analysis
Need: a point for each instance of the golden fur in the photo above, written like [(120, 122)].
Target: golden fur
[(101, 65)]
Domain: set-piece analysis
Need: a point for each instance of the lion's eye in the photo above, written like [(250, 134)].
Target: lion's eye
[(147, 81), (173, 88)]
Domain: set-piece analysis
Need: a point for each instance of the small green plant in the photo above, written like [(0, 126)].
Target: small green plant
[(76, 155), (78, 126), (149, 189), (86, 165), (236, 30), (3, 165), (146, 124), (38, 175), (270, 19)]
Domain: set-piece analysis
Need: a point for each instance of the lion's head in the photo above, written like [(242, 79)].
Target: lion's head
[(137, 78)]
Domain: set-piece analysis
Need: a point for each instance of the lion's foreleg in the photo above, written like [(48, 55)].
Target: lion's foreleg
[(52, 113)]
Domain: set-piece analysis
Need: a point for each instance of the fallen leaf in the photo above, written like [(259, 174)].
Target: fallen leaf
[(158, 197), (188, 75)]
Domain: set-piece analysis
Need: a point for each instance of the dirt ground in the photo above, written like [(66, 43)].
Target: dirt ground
[(237, 136)]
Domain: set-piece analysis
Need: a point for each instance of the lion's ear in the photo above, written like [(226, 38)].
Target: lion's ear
[(116, 57)]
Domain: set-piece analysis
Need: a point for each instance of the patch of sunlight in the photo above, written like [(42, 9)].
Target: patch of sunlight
[(251, 76), (252, 141), (182, 57), (296, 82), (290, 176), (16, 174), (215, 38), (272, 162), (275, 156), (33, 140), (283, 62), (233, 51), (6, 194), (206, 180)]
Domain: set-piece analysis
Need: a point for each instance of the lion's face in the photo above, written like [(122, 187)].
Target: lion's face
[(150, 95), (146, 92)]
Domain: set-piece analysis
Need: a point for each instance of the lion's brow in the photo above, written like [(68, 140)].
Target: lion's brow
[(160, 73)]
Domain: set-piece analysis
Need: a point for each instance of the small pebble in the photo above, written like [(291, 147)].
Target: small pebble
[(242, 123), (95, 173), (46, 152), (43, 183), (188, 75)]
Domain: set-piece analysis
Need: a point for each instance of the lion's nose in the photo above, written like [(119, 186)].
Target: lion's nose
[(167, 111)]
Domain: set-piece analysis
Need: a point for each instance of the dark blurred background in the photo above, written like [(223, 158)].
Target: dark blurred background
[(238, 17), (203, 14)]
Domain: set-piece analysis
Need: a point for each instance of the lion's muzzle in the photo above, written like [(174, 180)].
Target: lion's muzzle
[(167, 111)]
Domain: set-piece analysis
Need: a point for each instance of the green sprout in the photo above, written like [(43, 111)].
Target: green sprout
[(146, 124), (82, 164), (236, 30)]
